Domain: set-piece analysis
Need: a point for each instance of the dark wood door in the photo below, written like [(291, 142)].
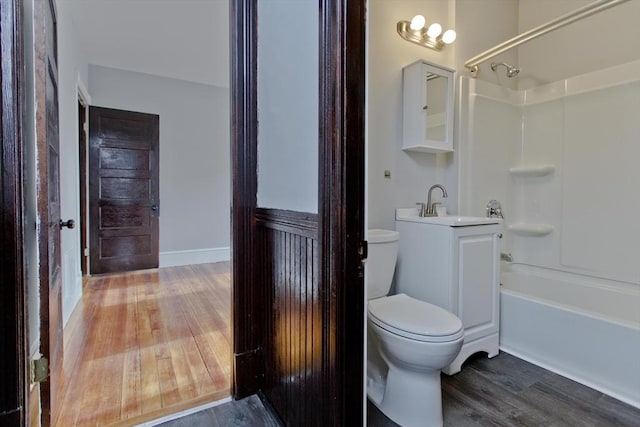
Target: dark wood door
[(14, 355), (48, 190), (124, 203), (297, 277)]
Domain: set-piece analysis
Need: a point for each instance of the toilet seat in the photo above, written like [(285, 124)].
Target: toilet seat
[(414, 319)]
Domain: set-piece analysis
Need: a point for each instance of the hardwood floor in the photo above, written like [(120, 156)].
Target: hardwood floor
[(146, 343)]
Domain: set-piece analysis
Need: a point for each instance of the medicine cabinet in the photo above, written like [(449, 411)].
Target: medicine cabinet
[(427, 113)]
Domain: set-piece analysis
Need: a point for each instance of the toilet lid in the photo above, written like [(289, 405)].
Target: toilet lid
[(412, 318)]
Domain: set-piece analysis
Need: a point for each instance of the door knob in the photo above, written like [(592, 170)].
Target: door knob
[(155, 208), (69, 224)]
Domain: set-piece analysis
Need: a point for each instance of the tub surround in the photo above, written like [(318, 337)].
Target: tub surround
[(536, 151)]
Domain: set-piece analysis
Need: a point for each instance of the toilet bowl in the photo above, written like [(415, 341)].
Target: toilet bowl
[(410, 342)]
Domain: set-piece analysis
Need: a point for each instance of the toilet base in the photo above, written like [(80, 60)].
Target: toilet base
[(411, 398)]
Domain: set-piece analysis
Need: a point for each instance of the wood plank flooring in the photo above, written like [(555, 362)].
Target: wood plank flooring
[(248, 412), (507, 391), (500, 392), (143, 344)]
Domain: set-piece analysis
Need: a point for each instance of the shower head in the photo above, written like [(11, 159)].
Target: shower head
[(512, 71)]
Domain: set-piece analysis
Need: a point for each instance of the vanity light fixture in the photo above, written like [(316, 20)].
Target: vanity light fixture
[(416, 31)]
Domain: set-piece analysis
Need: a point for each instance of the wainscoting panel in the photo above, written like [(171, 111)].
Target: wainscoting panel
[(293, 345)]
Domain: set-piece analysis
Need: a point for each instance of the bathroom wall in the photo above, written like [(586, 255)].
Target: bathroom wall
[(480, 24), (609, 38), (411, 174)]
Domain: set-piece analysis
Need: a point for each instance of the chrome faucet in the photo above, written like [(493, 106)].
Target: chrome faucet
[(431, 207)]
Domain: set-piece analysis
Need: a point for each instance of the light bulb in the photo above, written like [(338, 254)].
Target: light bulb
[(434, 30), (417, 23), (449, 36)]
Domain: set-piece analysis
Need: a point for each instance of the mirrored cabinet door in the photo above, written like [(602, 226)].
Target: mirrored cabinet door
[(427, 108)]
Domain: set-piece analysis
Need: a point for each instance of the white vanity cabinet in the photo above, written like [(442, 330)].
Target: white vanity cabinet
[(456, 268)]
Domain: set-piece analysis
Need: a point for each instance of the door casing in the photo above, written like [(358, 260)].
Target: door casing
[(345, 100), (48, 198), (340, 219)]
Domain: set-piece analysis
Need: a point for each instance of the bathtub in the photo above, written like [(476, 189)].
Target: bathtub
[(583, 328)]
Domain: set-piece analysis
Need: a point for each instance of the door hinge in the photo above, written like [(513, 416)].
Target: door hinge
[(363, 252), (86, 251), (40, 369)]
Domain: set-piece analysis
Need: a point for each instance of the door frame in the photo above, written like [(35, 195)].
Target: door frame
[(14, 389), (83, 175), (340, 200), (41, 21)]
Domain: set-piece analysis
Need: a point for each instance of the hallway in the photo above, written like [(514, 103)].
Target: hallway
[(143, 344)]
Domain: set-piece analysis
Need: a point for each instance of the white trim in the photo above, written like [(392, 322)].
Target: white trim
[(83, 93), (72, 300), (194, 256), (184, 413)]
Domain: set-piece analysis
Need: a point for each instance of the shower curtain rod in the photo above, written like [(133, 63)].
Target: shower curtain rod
[(583, 12)]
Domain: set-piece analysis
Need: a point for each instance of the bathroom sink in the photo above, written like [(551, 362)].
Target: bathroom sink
[(411, 215)]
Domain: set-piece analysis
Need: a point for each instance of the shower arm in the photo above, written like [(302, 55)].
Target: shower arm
[(576, 15)]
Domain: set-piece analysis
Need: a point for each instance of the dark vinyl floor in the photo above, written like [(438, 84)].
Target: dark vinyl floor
[(507, 391), (247, 412), (503, 391)]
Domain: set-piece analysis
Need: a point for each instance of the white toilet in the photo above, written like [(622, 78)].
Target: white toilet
[(410, 341)]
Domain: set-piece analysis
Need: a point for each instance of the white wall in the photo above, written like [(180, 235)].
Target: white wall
[(288, 105), (194, 154), (72, 72), (609, 38), (411, 173), (480, 24)]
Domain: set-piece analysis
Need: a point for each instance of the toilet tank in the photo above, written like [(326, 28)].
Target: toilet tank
[(381, 261)]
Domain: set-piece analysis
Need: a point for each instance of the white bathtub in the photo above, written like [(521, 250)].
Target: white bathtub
[(583, 328)]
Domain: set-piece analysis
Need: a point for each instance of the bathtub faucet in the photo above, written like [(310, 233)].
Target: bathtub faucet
[(494, 209), (431, 207)]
